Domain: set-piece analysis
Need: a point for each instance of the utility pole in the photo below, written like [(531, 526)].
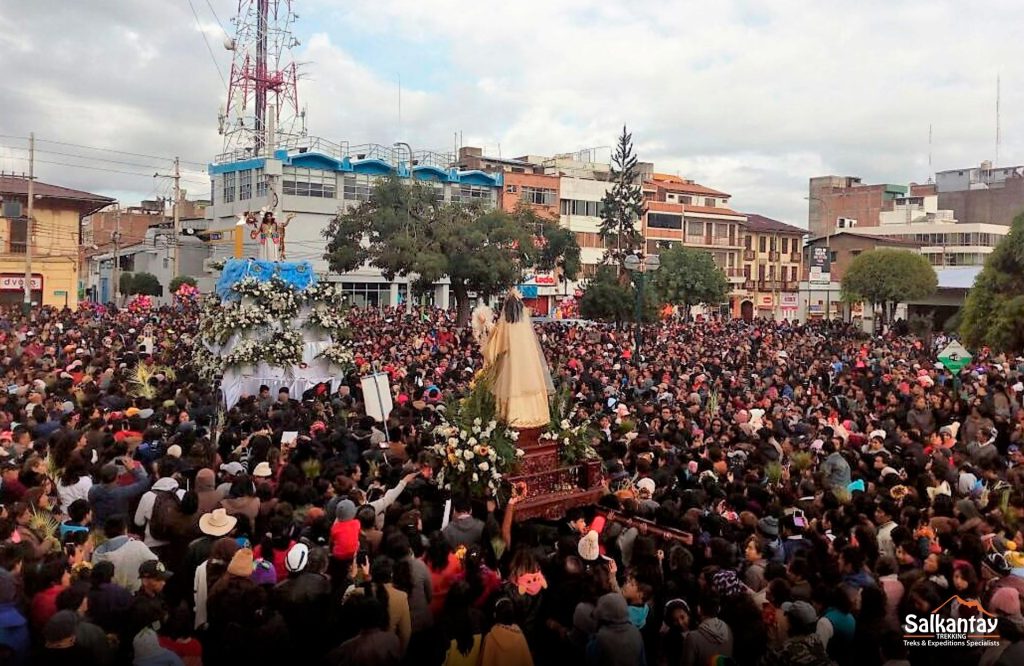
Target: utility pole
[(27, 305), (116, 273), (177, 220)]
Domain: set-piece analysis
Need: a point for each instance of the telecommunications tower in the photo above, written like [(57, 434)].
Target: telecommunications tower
[(262, 90)]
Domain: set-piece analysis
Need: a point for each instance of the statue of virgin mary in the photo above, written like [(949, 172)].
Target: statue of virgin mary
[(522, 380)]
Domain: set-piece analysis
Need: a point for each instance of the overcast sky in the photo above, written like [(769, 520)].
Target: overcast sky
[(749, 97)]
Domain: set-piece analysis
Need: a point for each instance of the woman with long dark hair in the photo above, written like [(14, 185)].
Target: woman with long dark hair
[(461, 628)]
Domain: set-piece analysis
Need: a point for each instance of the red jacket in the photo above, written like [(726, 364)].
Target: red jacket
[(345, 539)]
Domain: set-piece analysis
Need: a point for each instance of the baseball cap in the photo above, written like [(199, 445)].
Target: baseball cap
[(297, 558), (232, 468), (154, 569), (801, 612)]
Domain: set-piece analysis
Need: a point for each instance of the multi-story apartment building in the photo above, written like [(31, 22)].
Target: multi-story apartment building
[(944, 240), (53, 237), (314, 179), (680, 211), (983, 194), (841, 202), (772, 268)]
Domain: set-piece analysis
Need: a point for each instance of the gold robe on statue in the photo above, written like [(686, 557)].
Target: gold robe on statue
[(522, 381)]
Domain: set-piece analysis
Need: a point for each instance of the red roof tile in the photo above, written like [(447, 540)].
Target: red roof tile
[(712, 210), (18, 185), (757, 222)]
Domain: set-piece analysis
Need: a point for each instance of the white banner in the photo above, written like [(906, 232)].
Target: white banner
[(377, 396)]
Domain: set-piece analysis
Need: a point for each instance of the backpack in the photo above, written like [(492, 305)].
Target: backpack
[(165, 507)]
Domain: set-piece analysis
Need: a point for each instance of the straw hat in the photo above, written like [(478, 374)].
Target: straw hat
[(217, 523)]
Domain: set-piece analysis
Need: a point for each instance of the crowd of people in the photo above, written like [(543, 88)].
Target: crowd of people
[(776, 493)]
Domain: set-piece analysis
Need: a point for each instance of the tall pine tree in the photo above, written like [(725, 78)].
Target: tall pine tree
[(623, 204)]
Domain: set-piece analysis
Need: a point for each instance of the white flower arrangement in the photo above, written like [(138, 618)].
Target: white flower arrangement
[(323, 292), (246, 352), (338, 354), (281, 299), (332, 320), (235, 320), (471, 461)]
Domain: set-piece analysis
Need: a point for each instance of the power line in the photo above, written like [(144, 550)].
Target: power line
[(217, 18), (97, 148), (90, 157), (207, 42), (96, 168)]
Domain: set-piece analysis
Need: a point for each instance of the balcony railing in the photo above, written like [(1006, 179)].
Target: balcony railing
[(773, 256), (795, 257), (18, 248), (749, 285), (791, 285), (749, 255)]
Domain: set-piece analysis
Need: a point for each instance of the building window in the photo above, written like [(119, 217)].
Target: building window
[(746, 271), (317, 183), (833, 256), (664, 221), (19, 234), (792, 273), (760, 272), (538, 196), (721, 230), (695, 228), (228, 187), (747, 241), (709, 202), (471, 194), (762, 243), (245, 184), (772, 245), (785, 246), (357, 188), (261, 182), (367, 294), (581, 207), (685, 199)]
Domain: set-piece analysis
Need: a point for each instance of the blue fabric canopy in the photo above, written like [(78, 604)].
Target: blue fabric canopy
[(298, 274)]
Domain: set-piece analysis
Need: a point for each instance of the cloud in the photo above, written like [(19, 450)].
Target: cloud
[(749, 97)]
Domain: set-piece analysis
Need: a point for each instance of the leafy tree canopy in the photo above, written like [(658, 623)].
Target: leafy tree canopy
[(180, 280), (142, 283), (607, 298), (994, 312), (405, 231), (888, 276), (689, 276)]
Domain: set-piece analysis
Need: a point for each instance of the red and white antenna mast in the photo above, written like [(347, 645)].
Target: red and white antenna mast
[(262, 90)]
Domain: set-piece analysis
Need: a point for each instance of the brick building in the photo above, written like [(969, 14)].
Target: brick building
[(833, 201)]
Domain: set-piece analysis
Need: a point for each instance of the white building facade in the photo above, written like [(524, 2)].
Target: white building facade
[(314, 180)]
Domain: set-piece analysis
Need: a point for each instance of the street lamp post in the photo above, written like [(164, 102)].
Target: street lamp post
[(640, 267), (408, 212)]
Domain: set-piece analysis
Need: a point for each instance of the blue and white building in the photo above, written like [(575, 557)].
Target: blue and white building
[(316, 179)]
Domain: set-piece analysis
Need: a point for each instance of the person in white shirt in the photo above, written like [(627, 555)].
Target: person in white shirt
[(166, 483)]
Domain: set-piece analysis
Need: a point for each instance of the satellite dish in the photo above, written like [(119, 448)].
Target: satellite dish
[(229, 43)]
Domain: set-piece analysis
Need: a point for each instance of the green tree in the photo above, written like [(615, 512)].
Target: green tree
[(180, 280), (886, 277), (994, 312), (145, 283), (607, 298), (124, 284), (623, 204), (688, 277), (405, 231)]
